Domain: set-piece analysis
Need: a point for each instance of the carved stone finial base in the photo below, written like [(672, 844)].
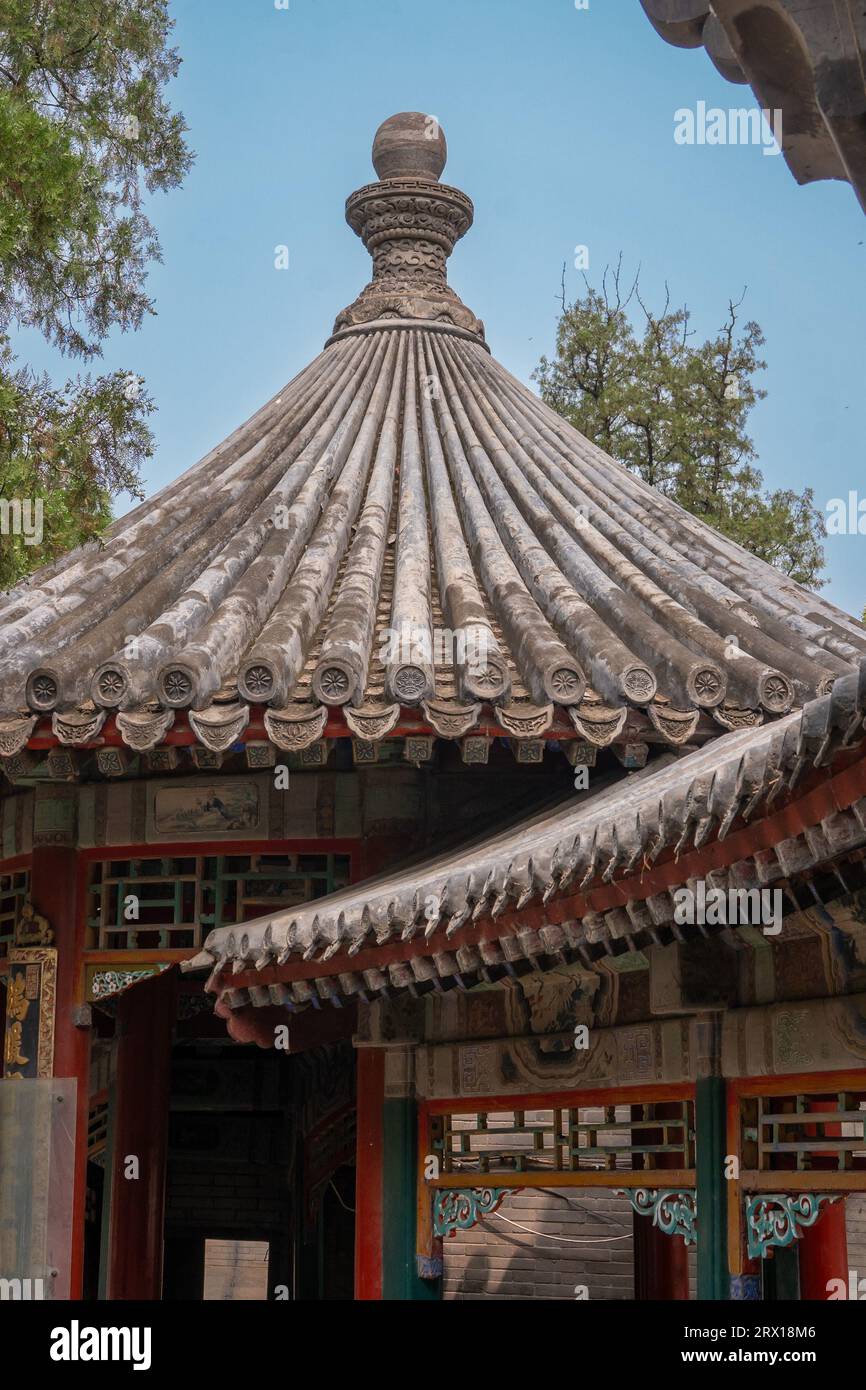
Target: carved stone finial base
[(410, 224)]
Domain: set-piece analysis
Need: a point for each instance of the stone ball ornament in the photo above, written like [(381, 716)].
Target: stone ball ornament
[(410, 146)]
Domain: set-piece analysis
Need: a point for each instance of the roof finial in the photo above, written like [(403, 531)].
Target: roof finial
[(410, 146), (409, 222)]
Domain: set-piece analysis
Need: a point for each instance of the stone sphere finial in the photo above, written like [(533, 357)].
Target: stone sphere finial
[(410, 224), (409, 145)]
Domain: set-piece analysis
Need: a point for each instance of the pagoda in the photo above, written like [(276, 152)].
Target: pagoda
[(515, 815)]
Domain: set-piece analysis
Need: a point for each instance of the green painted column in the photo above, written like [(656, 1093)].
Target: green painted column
[(711, 1189), (782, 1275), (399, 1205), (399, 1194)]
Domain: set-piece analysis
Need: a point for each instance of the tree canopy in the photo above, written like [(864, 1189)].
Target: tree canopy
[(85, 134), (675, 411)]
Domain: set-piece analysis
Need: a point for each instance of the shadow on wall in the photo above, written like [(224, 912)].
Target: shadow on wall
[(474, 1279), (547, 1245), (500, 1262)]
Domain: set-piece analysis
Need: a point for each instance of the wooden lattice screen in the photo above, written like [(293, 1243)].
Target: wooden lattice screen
[(178, 900), (564, 1139), (807, 1132)]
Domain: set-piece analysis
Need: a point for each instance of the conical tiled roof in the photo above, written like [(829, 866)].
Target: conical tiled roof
[(407, 525)]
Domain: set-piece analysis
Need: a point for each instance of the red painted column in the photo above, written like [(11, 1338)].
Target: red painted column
[(145, 1020), (54, 890), (661, 1263), (824, 1253), (823, 1248), (369, 1194)]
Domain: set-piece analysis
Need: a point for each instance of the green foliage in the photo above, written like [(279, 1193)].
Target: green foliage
[(73, 448), (85, 133), (676, 413)]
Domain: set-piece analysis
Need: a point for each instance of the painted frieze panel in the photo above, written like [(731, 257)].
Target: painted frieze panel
[(54, 816), (660, 1051), (782, 1039), (206, 810)]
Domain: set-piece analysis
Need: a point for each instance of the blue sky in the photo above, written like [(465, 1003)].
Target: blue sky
[(560, 127)]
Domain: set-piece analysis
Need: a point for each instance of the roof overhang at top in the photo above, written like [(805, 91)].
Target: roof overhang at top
[(762, 807), (804, 59), (407, 528)]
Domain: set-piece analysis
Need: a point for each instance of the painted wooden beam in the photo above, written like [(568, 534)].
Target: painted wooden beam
[(583, 1177)]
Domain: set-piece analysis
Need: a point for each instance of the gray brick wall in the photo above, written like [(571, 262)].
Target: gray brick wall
[(497, 1260), (855, 1220), (227, 1199)]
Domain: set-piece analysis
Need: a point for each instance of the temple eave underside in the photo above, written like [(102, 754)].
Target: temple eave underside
[(803, 59), (769, 808)]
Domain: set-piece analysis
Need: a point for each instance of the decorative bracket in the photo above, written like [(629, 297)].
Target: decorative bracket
[(108, 984), (459, 1209), (673, 1210), (779, 1218)]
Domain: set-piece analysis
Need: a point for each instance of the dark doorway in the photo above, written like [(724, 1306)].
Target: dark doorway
[(260, 1181)]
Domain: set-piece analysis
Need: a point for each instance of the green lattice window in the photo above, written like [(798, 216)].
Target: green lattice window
[(170, 902), (14, 888), (804, 1133), (612, 1137)]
